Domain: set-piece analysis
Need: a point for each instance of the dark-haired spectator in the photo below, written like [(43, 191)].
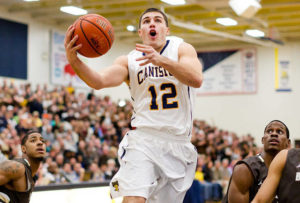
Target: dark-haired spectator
[(35, 104), (3, 119), (59, 159), (79, 172), (244, 149), (104, 156), (69, 175), (95, 174)]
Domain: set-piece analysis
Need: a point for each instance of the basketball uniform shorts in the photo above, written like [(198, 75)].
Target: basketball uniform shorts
[(155, 166)]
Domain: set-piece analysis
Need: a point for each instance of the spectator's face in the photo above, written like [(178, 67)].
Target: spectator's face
[(210, 164), (73, 161), (77, 167), (94, 167), (79, 158), (103, 167), (53, 168), (81, 144), (49, 161), (111, 164), (67, 168), (225, 163), (9, 114), (97, 143), (59, 159), (200, 161), (275, 137), (210, 136), (244, 150), (49, 129), (217, 164), (105, 149)]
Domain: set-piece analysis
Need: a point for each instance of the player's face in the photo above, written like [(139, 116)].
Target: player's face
[(153, 30), (275, 137), (35, 146)]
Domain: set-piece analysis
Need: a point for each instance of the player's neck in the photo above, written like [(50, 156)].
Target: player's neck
[(159, 47), (33, 163), (268, 157)]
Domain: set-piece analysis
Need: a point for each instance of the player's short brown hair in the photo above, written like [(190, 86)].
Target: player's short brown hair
[(154, 10)]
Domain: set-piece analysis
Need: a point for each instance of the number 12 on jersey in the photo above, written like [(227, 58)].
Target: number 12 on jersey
[(172, 93)]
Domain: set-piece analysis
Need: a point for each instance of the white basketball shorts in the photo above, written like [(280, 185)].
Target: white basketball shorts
[(155, 166)]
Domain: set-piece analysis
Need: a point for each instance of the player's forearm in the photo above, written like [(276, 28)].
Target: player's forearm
[(261, 199), (256, 200), (88, 75), (266, 193), (184, 72)]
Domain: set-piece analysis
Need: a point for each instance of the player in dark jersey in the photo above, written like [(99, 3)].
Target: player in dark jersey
[(16, 176), (249, 173), (284, 176)]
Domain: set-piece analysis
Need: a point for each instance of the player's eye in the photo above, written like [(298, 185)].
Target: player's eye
[(280, 132), (269, 131), (146, 21)]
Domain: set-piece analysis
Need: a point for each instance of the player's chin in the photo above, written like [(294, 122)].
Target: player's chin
[(40, 158), (274, 148)]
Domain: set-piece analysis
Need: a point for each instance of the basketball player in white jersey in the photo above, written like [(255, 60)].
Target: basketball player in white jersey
[(157, 159)]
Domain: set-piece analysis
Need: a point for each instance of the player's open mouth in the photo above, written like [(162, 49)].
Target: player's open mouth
[(40, 150), (153, 33)]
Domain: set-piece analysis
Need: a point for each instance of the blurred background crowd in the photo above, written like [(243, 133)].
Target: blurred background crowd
[(83, 131)]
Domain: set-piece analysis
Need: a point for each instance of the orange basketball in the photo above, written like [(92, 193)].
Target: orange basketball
[(95, 33)]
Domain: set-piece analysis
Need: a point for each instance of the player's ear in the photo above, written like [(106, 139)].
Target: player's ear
[(168, 30), (263, 139), (23, 148), (288, 144), (140, 32)]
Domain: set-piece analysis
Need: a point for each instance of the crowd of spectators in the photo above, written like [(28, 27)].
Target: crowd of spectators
[(83, 131)]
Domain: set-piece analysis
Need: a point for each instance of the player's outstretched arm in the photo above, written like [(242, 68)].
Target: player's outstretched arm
[(109, 77), (242, 179), (268, 189), (10, 170), (187, 70)]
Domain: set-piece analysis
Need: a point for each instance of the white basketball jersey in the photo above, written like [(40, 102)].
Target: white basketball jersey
[(160, 101)]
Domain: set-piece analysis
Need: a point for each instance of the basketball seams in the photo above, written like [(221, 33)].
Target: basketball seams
[(100, 30), (87, 38)]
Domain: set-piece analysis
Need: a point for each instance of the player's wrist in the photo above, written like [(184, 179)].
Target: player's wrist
[(166, 63)]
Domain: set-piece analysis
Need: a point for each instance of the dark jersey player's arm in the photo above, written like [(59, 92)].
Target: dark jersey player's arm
[(268, 189), (242, 180), (10, 171)]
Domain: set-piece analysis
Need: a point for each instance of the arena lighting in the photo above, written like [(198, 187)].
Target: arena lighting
[(131, 28), (174, 2), (122, 103), (245, 8), (73, 10), (226, 21), (255, 33)]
